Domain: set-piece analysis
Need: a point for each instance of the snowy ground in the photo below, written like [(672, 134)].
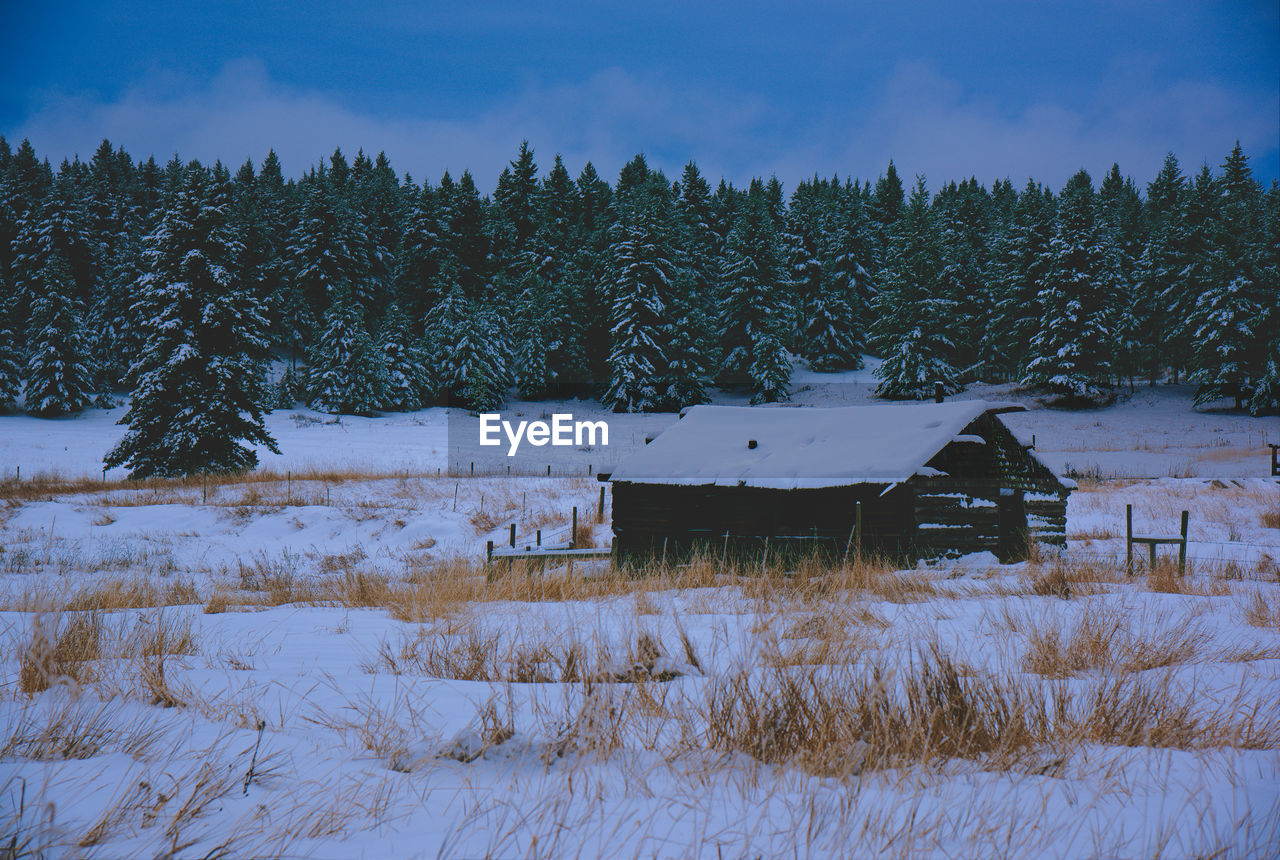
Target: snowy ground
[(1152, 433), (411, 708), (335, 617)]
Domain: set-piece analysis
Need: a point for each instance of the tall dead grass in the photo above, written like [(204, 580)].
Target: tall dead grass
[(72, 649), (1262, 609), (840, 723), (76, 730), (63, 650), (1111, 639), (472, 654)]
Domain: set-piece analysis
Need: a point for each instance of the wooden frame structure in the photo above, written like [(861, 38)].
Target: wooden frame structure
[(1152, 541)]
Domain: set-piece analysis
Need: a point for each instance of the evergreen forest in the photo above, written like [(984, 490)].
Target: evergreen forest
[(181, 284)]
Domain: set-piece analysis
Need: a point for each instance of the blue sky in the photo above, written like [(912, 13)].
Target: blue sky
[(1003, 89)]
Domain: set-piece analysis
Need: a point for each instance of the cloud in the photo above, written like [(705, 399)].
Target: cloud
[(242, 113), (926, 122)]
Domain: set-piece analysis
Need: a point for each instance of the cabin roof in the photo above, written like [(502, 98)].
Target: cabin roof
[(800, 447)]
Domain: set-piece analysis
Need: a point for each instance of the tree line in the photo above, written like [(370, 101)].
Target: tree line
[(180, 283)]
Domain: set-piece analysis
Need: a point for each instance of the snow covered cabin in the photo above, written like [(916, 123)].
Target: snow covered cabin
[(933, 478)]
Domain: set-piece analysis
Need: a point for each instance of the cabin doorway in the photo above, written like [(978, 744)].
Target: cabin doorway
[(1013, 543)]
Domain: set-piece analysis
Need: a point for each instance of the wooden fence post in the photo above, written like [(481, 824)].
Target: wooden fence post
[(857, 529), (1128, 539), (1182, 547), (573, 529)]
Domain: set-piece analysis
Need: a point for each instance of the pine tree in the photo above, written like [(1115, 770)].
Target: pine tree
[(1018, 267), (374, 205), (10, 354), (1231, 348), (591, 308), (754, 310), (468, 351), (322, 259), (517, 203), (421, 250), (199, 384), (836, 322), (348, 374), (804, 225), (690, 364), (550, 328), (642, 280), (889, 202), (963, 239), (1266, 392), (690, 340), (58, 377), (534, 339), (1072, 349), (406, 384), (912, 316), (1159, 283), (1120, 213), (467, 235)]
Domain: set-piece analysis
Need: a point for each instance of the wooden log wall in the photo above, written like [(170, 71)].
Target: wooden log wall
[(952, 520), (743, 521), (1047, 517)]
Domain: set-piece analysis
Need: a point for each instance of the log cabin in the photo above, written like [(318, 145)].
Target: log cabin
[(926, 480)]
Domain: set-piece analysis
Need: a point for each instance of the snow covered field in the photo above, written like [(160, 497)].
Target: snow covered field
[(409, 707), (1153, 433), (315, 662)]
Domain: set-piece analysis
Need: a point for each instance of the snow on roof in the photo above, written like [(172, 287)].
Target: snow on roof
[(801, 447)]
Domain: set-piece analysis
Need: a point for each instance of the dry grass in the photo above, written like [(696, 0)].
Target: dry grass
[(1165, 579), (63, 651), (76, 730), (174, 806), (46, 486), (1068, 577), (842, 723), (73, 649), (1110, 639), (119, 593), (473, 654), (1134, 711), (1263, 609)]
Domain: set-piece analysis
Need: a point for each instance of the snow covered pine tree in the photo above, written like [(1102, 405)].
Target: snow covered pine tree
[(913, 320), (199, 387), (347, 370)]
